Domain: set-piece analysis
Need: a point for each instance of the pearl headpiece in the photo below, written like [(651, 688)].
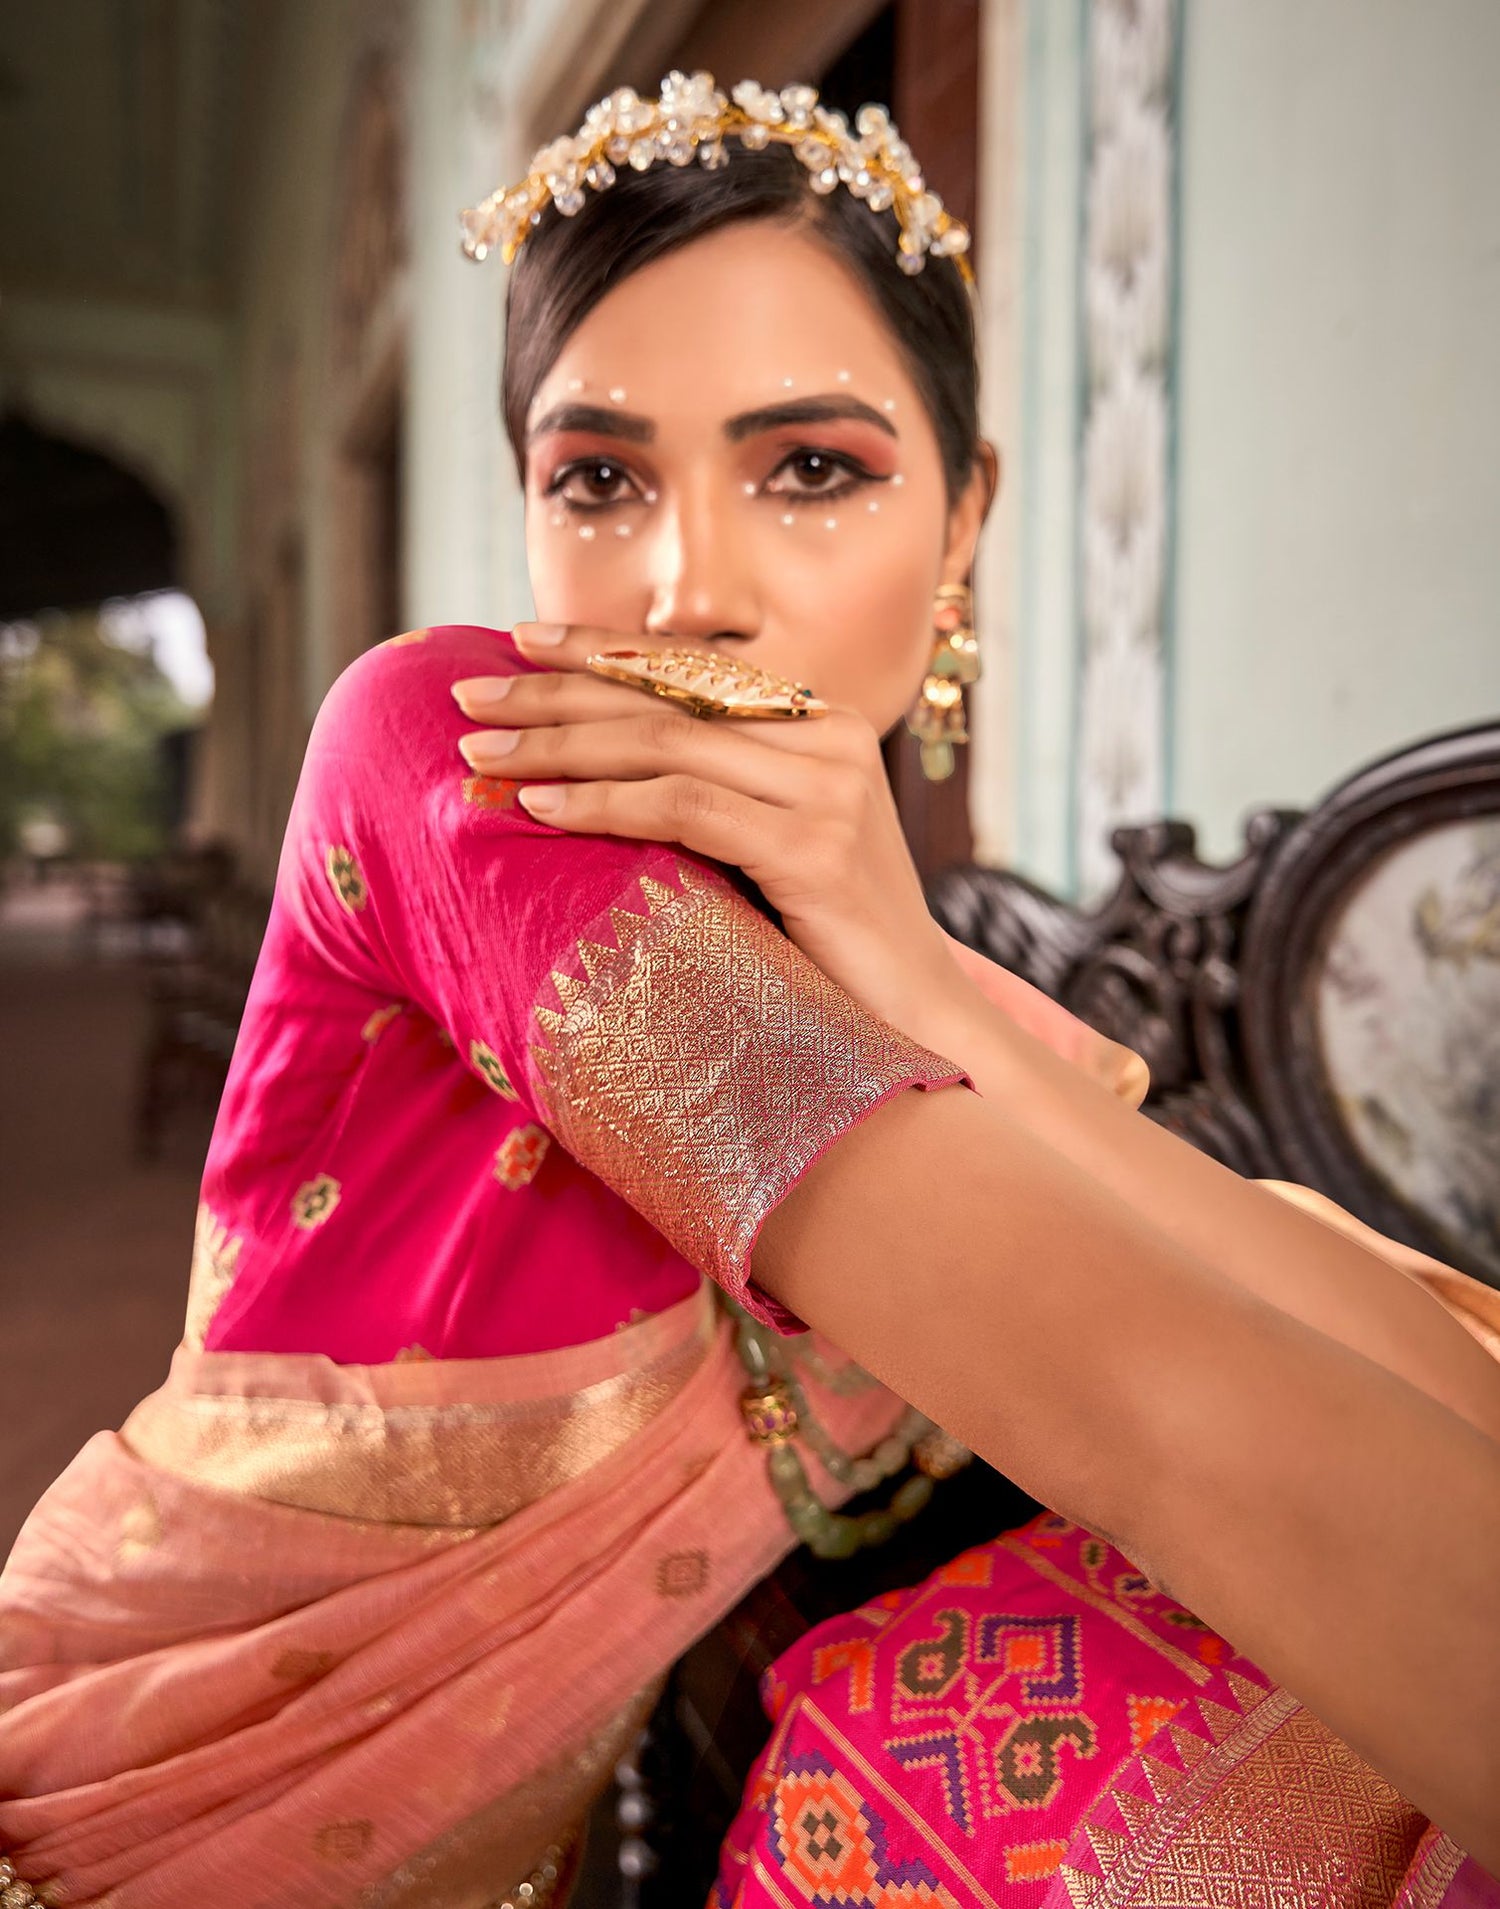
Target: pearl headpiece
[(692, 118)]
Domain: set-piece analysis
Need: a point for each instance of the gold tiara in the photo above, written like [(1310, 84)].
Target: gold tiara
[(692, 118)]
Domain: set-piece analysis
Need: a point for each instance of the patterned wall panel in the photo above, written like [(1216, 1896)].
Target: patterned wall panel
[(1126, 323)]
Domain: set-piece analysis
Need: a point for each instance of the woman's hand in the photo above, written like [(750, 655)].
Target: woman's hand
[(803, 808)]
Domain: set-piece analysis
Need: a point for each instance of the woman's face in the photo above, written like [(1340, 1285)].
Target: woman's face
[(729, 452)]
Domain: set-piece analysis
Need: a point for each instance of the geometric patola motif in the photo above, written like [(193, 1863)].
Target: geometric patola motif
[(831, 1847), (1039, 1726)]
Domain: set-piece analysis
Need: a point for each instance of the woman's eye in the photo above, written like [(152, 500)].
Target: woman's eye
[(592, 484), (815, 474)]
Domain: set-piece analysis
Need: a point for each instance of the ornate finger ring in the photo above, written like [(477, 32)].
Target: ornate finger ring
[(709, 686)]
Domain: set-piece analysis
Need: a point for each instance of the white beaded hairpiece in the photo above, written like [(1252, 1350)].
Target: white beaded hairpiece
[(693, 118)]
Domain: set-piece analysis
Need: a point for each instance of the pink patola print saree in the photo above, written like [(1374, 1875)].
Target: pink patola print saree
[(1037, 1724)]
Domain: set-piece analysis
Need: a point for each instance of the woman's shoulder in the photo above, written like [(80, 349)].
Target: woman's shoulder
[(416, 661), (386, 735), (396, 697)]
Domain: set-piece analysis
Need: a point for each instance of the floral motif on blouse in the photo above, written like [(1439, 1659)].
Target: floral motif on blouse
[(348, 883), (486, 1063), (314, 1201), (490, 792), (379, 1021), (520, 1156)]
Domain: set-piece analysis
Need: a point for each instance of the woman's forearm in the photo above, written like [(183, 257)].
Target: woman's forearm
[(1332, 1521), (1281, 1253)]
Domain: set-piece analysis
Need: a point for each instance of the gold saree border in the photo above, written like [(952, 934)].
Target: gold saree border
[(699, 1063), (1331, 1834), (449, 1444)]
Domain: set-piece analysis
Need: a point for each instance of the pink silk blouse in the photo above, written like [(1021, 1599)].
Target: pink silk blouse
[(499, 1090)]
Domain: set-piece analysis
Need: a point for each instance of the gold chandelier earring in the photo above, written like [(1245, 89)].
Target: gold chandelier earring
[(938, 719)]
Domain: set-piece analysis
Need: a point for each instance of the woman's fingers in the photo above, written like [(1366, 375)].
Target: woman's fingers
[(566, 648), (566, 699), (563, 645), (717, 823), (652, 744), (542, 699)]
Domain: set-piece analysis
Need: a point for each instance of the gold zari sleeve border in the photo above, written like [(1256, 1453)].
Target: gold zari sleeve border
[(700, 1063)]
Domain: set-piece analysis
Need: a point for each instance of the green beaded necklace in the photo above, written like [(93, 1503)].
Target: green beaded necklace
[(777, 1416)]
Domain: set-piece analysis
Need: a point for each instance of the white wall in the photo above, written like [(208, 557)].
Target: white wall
[(1338, 552)]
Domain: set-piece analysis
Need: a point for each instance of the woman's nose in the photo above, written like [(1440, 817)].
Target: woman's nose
[(703, 587)]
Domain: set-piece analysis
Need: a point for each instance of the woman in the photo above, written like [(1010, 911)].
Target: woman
[(363, 1604)]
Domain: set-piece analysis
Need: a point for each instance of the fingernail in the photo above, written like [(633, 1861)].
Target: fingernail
[(539, 636), (476, 690), (488, 749), (541, 801)]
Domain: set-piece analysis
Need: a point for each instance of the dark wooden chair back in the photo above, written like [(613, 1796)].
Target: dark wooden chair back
[(1324, 1009)]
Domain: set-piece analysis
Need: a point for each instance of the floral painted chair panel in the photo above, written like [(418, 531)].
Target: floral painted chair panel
[(1408, 1017)]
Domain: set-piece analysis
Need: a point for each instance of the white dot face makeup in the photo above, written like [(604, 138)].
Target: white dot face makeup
[(732, 450)]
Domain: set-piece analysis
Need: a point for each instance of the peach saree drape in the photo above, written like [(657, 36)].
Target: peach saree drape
[(327, 1635)]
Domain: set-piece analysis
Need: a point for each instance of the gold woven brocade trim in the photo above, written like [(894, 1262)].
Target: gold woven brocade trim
[(216, 1258), (701, 1062), (445, 1465), (1271, 1810)]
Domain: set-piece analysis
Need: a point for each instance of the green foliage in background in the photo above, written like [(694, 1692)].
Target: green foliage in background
[(81, 722)]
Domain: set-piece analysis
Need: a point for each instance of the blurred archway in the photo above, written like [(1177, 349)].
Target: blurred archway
[(76, 526)]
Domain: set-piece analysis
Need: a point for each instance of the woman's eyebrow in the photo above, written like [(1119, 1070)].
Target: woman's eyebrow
[(605, 421), (602, 420), (822, 410)]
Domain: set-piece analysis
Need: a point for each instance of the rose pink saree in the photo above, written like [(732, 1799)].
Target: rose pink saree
[(362, 1606)]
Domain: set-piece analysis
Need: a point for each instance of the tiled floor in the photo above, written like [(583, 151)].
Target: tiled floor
[(94, 1246)]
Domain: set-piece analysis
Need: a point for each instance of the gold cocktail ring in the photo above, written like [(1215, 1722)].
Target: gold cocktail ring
[(709, 686)]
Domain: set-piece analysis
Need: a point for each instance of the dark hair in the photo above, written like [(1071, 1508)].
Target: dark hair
[(567, 265)]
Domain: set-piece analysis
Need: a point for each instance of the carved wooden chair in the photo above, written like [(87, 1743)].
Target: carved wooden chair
[(1325, 1008)]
